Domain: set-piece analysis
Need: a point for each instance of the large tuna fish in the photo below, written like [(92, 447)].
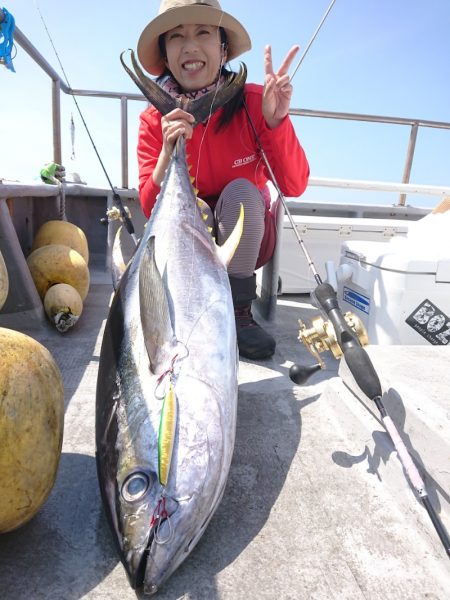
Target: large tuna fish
[(167, 384)]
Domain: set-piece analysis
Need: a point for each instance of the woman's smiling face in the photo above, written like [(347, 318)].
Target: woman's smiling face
[(194, 55)]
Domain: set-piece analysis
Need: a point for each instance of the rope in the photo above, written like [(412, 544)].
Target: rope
[(7, 25), (62, 202)]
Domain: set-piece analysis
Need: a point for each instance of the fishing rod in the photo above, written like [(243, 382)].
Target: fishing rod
[(124, 216), (312, 40), (346, 339), (346, 334)]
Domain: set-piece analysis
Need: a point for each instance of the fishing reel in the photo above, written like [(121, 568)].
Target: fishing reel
[(321, 337)]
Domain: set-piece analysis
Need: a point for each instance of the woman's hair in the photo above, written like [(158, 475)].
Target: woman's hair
[(231, 107)]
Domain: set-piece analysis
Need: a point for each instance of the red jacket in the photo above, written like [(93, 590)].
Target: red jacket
[(227, 154)]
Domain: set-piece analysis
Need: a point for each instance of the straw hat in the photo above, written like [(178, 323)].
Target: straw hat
[(183, 12)]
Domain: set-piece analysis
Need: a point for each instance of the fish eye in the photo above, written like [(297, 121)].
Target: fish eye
[(135, 486)]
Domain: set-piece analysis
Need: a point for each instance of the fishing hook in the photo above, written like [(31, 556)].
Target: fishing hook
[(160, 515)]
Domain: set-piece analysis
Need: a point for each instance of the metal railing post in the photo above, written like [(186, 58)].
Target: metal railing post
[(56, 116), (409, 160), (59, 85), (124, 140)]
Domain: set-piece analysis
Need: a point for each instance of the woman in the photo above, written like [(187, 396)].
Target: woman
[(186, 46)]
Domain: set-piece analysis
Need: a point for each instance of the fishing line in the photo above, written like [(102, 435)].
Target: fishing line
[(207, 122), (124, 216), (74, 98), (356, 357), (269, 168), (283, 200), (203, 138), (311, 40), (213, 99), (360, 366), (72, 136)]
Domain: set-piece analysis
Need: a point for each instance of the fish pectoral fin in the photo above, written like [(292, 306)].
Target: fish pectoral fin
[(159, 337), (118, 263), (226, 251)]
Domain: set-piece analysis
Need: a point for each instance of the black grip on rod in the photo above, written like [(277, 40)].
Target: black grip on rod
[(356, 357), (438, 525)]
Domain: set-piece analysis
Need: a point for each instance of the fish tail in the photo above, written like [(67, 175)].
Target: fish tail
[(160, 99), (201, 108)]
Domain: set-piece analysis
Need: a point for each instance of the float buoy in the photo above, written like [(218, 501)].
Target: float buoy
[(63, 306), (4, 282), (62, 232), (31, 427), (58, 264)]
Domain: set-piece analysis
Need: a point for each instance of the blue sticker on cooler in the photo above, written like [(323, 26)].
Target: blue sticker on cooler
[(432, 324), (357, 300)]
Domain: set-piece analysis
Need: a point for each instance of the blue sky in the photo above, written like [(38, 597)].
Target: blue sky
[(383, 57)]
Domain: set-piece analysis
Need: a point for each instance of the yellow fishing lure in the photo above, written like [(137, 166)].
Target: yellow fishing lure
[(167, 434)]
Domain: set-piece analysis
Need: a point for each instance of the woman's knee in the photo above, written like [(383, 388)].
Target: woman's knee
[(243, 190), (237, 192)]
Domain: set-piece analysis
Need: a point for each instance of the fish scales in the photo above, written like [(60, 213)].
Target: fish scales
[(176, 275)]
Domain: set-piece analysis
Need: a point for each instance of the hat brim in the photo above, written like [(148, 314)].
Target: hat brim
[(148, 50)]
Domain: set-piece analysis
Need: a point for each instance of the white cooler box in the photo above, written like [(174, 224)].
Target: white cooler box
[(401, 293), (323, 237)]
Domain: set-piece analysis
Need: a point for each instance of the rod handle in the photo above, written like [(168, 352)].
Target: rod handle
[(356, 357)]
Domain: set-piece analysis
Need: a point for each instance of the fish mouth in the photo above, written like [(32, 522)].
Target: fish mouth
[(136, 572), (133, 506), (135, 562), (135, 559)]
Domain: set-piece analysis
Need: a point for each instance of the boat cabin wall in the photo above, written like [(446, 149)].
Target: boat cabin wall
[(29, 213), (21, 216)]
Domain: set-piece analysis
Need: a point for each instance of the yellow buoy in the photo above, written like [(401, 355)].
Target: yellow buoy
[(4, 282), (62, 232), (58, 264), (63, 306), (31, 427)]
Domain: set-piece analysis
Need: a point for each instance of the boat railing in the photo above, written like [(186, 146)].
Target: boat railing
[(404, 187)]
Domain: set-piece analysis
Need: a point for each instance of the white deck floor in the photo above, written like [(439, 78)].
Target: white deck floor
[(316, 507)]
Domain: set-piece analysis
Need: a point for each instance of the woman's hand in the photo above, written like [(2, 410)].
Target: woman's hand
[(277, 89), (177, 122)]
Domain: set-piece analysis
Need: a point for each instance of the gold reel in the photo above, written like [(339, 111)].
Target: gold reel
[(321, 336)]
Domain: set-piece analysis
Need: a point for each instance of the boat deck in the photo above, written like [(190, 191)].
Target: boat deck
[(316, 505)]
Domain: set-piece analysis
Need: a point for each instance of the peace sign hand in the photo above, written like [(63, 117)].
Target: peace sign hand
[(277, 89)]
